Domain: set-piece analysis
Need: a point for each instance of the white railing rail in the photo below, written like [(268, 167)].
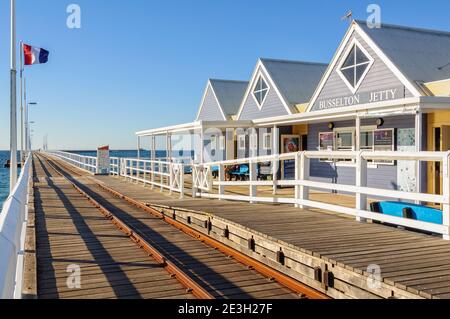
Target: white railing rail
[(86, 163), (303, 184), (159, 173), (13, 223)]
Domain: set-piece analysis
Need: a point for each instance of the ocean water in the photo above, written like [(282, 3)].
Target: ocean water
[(4, 177)]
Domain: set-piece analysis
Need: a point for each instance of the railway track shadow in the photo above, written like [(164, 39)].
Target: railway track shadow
[(101, 257)]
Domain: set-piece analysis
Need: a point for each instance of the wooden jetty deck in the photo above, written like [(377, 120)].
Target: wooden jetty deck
[(70, 231), (410, 264)]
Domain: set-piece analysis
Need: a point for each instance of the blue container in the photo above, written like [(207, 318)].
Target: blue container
[(415, 212)]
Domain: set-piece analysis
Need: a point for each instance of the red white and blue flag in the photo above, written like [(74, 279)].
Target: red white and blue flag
[(33, 55)]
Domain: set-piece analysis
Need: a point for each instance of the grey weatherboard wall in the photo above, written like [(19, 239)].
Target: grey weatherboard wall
[(384, 176), (379, 77), (210, 108), (273, 106)]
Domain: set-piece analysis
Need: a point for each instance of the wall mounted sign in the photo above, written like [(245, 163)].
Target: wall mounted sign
[(361, 98)]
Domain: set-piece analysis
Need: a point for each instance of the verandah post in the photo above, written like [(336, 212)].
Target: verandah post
[(361, 181), (253, 166), (194, 180), (171, 176), (446, 192), (181, 186)]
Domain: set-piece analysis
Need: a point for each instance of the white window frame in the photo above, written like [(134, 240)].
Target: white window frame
[(241, 142), (260, 76), (364, 129), (354, 43), (267, 137)]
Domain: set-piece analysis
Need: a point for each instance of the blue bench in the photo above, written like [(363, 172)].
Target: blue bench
[(410, 211), (242, 173)]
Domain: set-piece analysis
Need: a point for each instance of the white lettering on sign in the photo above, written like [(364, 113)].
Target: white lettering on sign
[(360, 98)]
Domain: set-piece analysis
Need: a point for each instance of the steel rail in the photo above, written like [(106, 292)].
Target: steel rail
[(191, 286), (263, 269), (284, 280)]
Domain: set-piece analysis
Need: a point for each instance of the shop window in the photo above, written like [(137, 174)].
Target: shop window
[(222, 142), (260, 91), (267, 141), (213, 143)]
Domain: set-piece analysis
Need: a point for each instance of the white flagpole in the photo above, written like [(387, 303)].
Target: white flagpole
[(26, 114), (22, 157), (13, 119)]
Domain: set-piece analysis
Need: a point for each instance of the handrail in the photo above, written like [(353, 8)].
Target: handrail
[(86, 163), (13, 222)]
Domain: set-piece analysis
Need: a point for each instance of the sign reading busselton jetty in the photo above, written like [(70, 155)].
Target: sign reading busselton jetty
[(361, 98)]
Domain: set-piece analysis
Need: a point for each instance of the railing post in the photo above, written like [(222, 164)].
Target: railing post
[(152, 168), (221, 180), (446, 192), (194, 180), (161, 177), (181, 186), (253, 166), (171, 177), (361, 181), (145, 173), (304, 176), (298, 170)]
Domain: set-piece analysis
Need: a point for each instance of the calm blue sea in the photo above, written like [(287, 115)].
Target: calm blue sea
[(4, 177)]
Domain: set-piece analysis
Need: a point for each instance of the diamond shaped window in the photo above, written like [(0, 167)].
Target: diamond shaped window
[(355, 66), (260, 91)]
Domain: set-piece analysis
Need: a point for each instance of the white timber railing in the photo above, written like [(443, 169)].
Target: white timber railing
[(13, 225), (159, 174), (302, 184), (86, 163), (114, 166)]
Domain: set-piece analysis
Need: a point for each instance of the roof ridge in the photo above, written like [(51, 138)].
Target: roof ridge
[(229, 81), (408, 28), (293, 61)]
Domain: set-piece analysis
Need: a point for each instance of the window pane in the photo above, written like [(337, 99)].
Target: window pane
[(263, 85), (349, 75), (359, 72), (360, 56), (350, 59), (345, 140), (366, 140), (263, 95)]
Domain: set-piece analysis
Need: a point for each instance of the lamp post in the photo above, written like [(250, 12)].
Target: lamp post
[(27, 127), (30, 135), (13, 97)]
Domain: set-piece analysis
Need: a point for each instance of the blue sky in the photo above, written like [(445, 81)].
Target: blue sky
[(139, 64)]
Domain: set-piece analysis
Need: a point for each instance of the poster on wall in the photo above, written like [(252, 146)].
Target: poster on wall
[(103, 161), (290, 144), (406, 170), (326, 141)]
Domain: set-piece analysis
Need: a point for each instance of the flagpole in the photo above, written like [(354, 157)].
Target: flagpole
[(13, 97), (26, 114), (22, 159)]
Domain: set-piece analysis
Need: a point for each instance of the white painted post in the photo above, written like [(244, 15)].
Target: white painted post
[(138, 147), (358, 134), (275, 152), (161, 177), (253, 166), (194, 180), (418, 137), (446, 193), (202, 146), (298, 169), (221, 179), (304, 176), (171, 177), (153, 159), (181, 172), (361, 181)]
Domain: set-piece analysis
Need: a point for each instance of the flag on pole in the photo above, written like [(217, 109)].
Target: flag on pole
[(33, 55)]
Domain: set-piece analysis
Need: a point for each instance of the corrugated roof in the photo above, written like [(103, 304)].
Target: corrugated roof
[(296, 80), (230, 94), (420, 54)]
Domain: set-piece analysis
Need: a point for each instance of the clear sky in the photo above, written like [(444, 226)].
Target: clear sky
[(140, 64)]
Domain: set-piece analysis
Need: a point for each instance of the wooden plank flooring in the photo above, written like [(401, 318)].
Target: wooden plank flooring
[(70, 231), (411, 261)]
